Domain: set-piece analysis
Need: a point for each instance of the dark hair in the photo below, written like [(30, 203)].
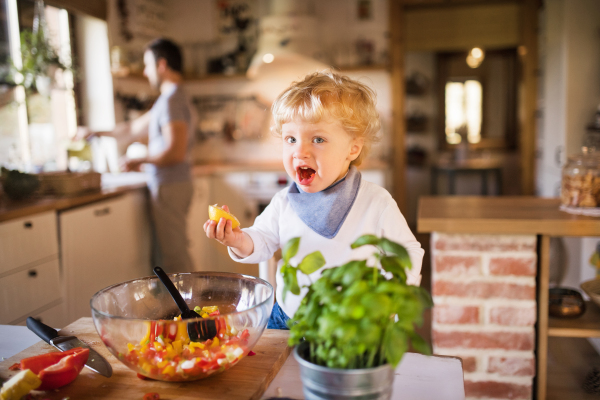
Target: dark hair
[(165, 48)]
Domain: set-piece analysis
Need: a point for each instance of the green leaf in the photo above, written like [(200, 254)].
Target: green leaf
[(290, 280), (378, 305), (419, 344), (394, 248), (364, 240), (394, 265), (396, 344), (290, 249), (312, 262)]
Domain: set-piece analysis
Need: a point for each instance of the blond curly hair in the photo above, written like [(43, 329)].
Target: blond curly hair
[(327, 93)]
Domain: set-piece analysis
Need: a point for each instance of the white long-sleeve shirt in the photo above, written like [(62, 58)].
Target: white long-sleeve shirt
[(374, 212)]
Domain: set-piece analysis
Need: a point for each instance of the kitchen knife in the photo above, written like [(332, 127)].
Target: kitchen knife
[(95, 361)]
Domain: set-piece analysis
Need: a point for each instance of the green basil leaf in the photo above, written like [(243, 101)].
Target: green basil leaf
[(378, 305), (364, 240), (419, 344), (396, 344), (290, 249), (392, 264), (312, 262), (400, 251), (290, 281)]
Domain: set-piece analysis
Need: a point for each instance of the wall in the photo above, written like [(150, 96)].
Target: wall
[(570, 63), (418, 179), (192, 21), (484, 289)]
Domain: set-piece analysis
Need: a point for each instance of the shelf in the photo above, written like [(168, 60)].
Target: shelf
[(569, 361), (186, 79), (588, 325)]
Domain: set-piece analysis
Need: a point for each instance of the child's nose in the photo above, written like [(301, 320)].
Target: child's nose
[(302, 150)]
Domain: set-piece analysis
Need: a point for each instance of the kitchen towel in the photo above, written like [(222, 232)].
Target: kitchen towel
[(324, 212)]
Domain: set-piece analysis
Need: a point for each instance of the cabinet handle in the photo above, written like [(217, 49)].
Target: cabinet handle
[(32, 273), (28, 225), (102, 212)]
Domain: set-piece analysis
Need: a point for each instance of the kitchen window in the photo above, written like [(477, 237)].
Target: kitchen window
[(42, 120)]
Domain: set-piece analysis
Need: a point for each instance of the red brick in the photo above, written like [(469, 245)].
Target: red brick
[(458, 264), (526, 266), (497, 390), (513, 316), (445, 314), (484, 243), (483, 290), (469, 364), (512, 366), (484, 340)]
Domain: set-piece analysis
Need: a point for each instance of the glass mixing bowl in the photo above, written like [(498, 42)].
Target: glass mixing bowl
[(135, 320)]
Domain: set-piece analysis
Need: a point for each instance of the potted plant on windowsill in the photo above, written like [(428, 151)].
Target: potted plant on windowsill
[(355, 322)]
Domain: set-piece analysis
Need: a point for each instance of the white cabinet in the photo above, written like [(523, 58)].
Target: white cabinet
[(208, 254), (29, 270), (102, 244)]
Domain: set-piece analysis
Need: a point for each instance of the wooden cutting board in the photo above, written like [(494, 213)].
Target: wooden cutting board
[(247, 380)]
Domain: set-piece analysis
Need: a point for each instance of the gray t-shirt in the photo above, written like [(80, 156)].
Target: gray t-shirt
[(173, 105)]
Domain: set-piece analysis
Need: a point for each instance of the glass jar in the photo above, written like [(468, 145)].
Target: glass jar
[(581, 181)]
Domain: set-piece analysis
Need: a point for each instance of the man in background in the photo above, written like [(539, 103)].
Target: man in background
[(168, 130)]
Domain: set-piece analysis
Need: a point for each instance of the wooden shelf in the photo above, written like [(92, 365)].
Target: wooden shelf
[(186, 79), (569, 361), (588, 325)]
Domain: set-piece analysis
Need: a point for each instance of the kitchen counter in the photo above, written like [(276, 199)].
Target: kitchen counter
[(114, 185), (111, 187), (491, 258), (502, 215)]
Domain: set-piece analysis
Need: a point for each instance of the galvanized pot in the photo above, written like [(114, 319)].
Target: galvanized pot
[(322, 383)]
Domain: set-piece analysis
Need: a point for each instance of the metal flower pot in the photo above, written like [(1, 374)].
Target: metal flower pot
[(320, 383)]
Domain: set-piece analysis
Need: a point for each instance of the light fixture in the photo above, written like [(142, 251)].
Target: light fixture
[(475, 57), (288, 48)]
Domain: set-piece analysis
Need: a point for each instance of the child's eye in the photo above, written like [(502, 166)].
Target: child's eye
[(318, 140), (290, 139)]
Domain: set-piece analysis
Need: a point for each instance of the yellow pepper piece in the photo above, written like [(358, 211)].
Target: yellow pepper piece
[(162, 363), (130, 346), (210, 309), (147, 337), (215, 343), (158, 346), (169, 370), (19, 385), (178, 346)]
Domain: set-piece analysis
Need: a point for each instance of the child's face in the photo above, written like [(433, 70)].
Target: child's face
[(317, 155)]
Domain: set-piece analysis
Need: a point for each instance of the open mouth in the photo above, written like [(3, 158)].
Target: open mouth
[(305, 175)]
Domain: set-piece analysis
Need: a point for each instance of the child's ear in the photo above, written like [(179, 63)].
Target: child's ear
[(355, 148)]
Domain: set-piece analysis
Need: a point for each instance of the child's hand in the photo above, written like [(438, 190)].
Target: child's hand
[(223, 232)]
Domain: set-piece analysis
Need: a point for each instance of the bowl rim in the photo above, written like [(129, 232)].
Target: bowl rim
[(150, 277)]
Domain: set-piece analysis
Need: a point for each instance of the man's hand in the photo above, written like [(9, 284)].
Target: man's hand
[(84, 133), (131, 165)]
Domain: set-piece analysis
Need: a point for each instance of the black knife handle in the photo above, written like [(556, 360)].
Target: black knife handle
[(42, 330)]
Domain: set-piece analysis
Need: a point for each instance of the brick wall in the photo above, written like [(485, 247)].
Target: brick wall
[(483, 288)]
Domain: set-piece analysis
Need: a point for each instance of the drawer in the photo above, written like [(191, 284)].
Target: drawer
[(53, 316), (26, 240), (29, 290)]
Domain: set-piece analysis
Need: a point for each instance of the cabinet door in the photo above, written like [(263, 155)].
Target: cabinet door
[(103, 244), (200, 249), (229, 189), (27, 240), (29, 290)]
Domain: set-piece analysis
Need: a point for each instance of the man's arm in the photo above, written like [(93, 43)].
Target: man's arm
[(133, 131), (175, 136)]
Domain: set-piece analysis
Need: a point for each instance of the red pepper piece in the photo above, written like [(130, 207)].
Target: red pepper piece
[(151, 396), (144, 378), (15, 367), (57, 369), (251, 353)]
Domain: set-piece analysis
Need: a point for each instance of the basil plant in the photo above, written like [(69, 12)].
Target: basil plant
[(356, 315)]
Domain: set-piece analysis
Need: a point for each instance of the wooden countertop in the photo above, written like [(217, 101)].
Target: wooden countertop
[(501, 215), (17, 209)]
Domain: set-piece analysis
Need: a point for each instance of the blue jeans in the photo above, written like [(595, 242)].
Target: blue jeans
[(278, 318)]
